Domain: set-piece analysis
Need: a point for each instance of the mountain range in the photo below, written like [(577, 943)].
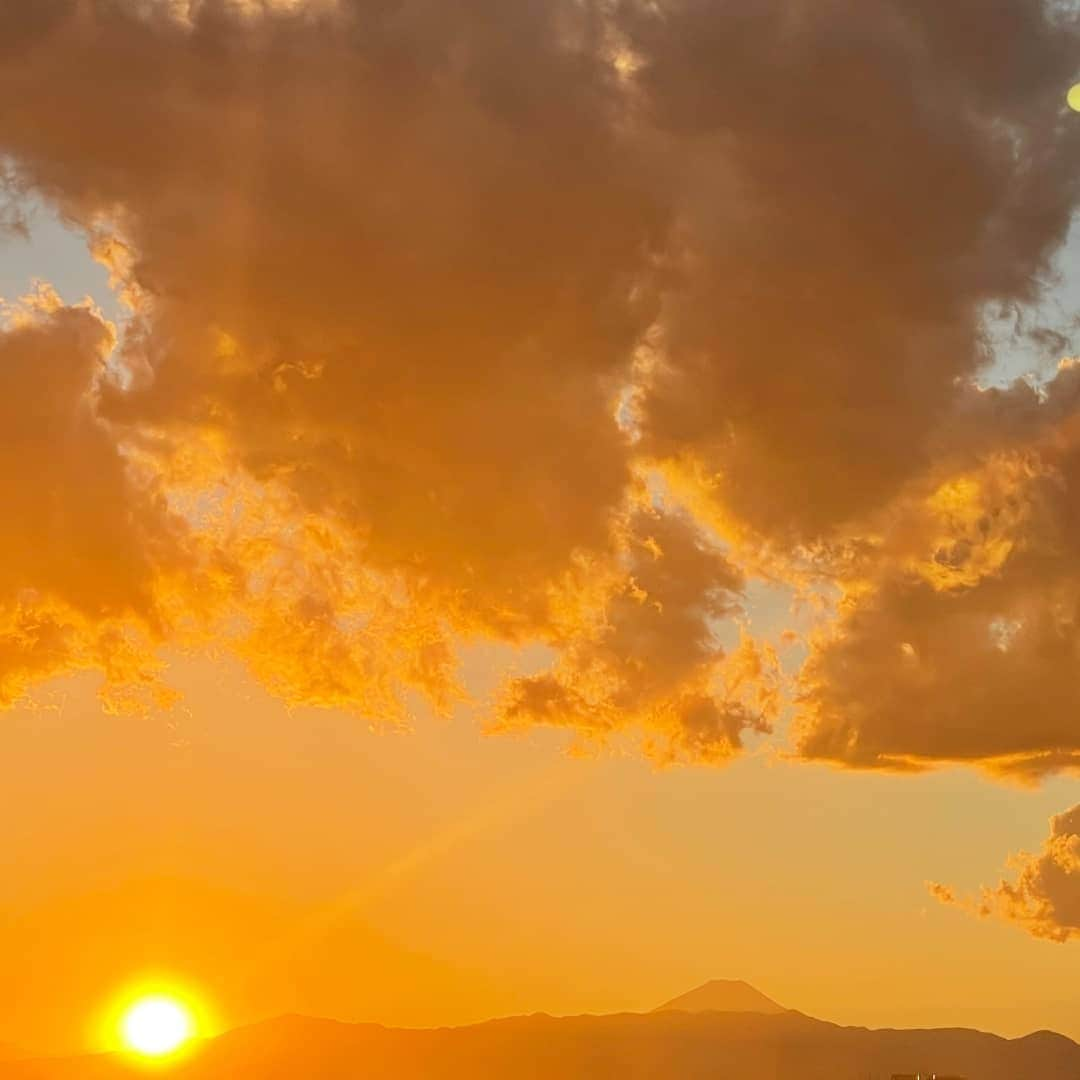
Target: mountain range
[(692, 1037)]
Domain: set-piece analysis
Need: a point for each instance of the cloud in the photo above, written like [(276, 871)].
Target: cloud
[(1043, 896), (13, 216), (855, 185), (961, 642), (84, 538), (651, 655), (552, 324)]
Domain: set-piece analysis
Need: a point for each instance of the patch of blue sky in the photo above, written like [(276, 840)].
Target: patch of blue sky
[(55, 253), (1029, 342)]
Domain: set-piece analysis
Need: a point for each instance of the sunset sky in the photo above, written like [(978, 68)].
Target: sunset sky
[(519, 507)]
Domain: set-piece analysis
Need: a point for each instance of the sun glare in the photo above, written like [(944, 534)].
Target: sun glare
[(156, 1026)]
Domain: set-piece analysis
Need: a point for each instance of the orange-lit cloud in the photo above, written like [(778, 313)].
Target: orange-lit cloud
[(961, 642), (83, 540), (650, 654), (1044, 895), (854, 182), (539, 324)]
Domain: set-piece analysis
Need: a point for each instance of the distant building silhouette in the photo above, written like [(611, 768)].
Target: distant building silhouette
[(924, 1076)]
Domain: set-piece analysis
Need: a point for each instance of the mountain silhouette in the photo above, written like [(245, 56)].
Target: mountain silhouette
[(723, 995), (670, 1045)]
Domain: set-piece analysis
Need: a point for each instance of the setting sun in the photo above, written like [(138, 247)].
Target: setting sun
[(155, 1026)]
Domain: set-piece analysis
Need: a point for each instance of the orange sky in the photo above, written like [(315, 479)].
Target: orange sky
[(527, 519), (295, 861)]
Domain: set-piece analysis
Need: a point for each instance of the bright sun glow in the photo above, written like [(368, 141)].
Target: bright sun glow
[(155, 1026)]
